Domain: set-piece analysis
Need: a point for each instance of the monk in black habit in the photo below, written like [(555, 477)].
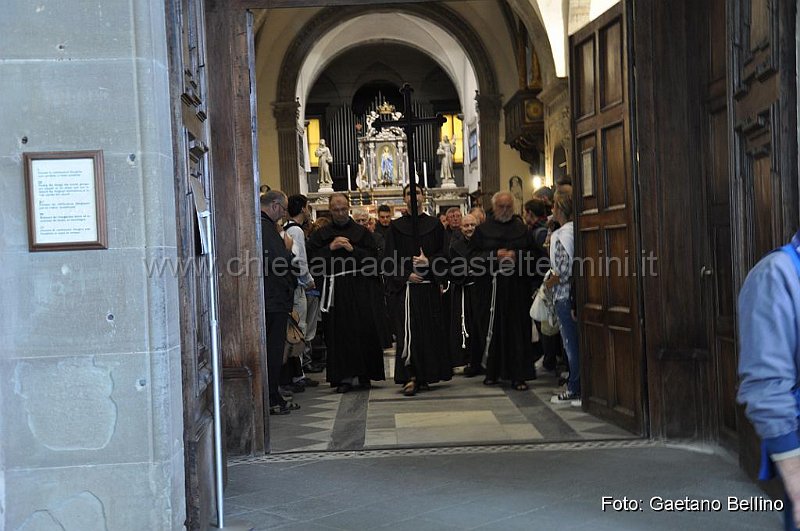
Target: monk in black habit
[(350, 292), (422, 356), (508, 244), (469, 316)]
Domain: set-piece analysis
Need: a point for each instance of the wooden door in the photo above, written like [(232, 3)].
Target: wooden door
[(608, 293), (186, 32), (763, 102), (717, 269)]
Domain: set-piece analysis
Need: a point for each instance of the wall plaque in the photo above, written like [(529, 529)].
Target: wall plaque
[(66, 200)]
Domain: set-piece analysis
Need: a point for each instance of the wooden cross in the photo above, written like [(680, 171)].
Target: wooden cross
[(408, 123)]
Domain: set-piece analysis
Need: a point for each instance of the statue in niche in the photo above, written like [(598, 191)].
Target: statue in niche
[(325, 160), (446, 150), (387, 167), (362, 181)]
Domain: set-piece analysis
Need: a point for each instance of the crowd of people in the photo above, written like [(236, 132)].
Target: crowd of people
[(452, 294)]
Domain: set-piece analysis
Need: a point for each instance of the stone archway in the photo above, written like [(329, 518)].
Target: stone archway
[(488, 99)]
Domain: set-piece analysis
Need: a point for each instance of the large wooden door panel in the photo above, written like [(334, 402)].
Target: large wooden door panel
[(762, 99), (606, 240), (189, 94)]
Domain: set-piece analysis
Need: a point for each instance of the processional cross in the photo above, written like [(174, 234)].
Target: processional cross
[(408, 123)]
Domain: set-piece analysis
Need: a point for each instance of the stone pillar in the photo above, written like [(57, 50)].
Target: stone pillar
[(489, 107), (286, 116), (90, 362)]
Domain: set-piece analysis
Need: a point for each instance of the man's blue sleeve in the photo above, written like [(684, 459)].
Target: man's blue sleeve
[(768, 332)]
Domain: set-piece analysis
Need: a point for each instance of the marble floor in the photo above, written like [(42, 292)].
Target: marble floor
[(542, 486), (462, 411)]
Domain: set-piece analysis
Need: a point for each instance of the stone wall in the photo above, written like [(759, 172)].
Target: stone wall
[(90, 374)]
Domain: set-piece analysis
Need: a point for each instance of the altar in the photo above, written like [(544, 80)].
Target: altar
[(384, 169), (435, 200)]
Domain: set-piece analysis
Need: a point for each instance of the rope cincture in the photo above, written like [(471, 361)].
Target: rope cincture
[(326, 302), (489, 334), (464, 332)]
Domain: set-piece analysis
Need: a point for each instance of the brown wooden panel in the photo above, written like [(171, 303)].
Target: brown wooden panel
[(594, 341), (724, 306), (759, 24), (763, 206), (716, 19), (590, 259), (624, 370), (727, 380), (718, 147), (616, 181), (611, 75), (600, 325), (617, 268), (584, 80)]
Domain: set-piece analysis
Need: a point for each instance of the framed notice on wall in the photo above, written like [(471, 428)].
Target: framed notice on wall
[(66, 200)]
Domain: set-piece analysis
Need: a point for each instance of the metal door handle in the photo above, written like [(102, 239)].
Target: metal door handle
[(706, 272)]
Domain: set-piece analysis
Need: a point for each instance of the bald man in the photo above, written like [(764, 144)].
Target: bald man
[(347, 254), (505, 240)]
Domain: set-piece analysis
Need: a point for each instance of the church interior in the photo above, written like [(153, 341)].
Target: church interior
[(134, 397)]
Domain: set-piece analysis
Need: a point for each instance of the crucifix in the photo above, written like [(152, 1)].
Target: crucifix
[(408, 122)]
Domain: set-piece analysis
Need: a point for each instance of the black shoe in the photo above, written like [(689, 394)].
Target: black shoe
[(471, 372), (308, 382), (344, 388)]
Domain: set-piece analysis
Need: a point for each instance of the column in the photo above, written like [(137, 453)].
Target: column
[(489, 106), (286, 116)]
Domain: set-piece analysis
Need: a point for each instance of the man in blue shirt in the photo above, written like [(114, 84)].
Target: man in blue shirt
[(769, 338)]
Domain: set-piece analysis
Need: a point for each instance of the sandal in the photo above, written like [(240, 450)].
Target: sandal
[(278, 410), (410, 388), (520, 386)]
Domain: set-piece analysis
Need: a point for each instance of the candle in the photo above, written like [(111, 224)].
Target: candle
[(425, 172), (348, 176)]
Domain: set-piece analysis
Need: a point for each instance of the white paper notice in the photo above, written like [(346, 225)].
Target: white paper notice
[(64, 200)]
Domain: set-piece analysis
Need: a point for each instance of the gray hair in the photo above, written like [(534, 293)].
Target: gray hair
[(270, 197)]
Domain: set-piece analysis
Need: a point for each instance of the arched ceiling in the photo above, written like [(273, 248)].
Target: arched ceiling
[(376, 62), (383, 27)]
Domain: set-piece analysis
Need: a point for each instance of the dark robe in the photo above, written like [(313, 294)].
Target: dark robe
[(352, 326), (380, 229), (509, 355), (430, 361), (475, 305)]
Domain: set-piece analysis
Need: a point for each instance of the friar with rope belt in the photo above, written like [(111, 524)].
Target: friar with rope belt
[(348, 256), (414, 298), (506, 243)]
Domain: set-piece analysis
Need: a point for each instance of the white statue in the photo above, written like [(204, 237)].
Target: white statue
[(362, 181), (446, 150), (325, 159)]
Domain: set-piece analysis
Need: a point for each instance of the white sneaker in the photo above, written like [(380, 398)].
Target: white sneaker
[(576, 403)]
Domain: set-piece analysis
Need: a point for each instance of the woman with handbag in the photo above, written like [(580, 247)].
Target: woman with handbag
[(562, 252)]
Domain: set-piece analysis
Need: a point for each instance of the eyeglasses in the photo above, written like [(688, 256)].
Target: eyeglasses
[(280, 205)]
